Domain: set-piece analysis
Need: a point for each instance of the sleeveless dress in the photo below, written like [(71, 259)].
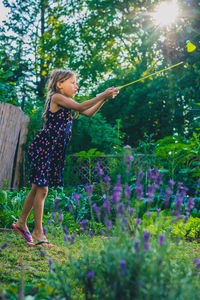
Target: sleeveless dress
[(47, 151)]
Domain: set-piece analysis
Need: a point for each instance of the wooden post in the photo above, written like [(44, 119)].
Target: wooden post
[(12, 131), (19, 173)]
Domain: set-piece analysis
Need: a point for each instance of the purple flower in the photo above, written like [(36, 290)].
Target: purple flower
[(53, 215), (158, 179), (44, 229), (146, 236), (137, 243), (179, 201), (139, 178), (149, 174), (127, 191), (90, 274), (161, 239), (138, 221), (180, 184), (158, 211), (76, 198), (109, 225), (53, 231), (106, 206), (171, 183), (72, 238), (197, 262), (4, 245), (127, 204), (139, 190), (89, 189), (117, 191), (150, 190), (129, 160), (42, 252), (64, 238), (124, 220), (123, 267), (56, 202), (50, 263), (92, 233), (60, 217), (83, 224), (190, 205), (132, 210), (107, 181), (120, 209), (96, 209), (149, 214), (64, 229), (99, 169), (70, 209), (50, 222), (101, 231), (146, 246), (148, 200)]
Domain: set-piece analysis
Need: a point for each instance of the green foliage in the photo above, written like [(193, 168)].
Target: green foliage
[(93, 132), (180, 156), (7, 84), (188, 229), (153, 274), (115, 49)]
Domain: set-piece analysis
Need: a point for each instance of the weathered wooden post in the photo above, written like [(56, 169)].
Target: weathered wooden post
[(13, 132)]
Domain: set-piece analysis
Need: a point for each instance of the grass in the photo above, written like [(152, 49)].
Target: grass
[(36, 267)]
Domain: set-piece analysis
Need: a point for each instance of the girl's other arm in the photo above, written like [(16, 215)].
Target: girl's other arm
[(94, 109), (64, 101)]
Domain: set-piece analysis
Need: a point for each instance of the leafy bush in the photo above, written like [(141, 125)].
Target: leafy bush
[(126, 268), (180, 157)]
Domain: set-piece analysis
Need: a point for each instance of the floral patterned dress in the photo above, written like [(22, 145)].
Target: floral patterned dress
[(47, 151)]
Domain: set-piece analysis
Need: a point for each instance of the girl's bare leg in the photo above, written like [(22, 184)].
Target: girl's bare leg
[(28, 205), (38, 208)]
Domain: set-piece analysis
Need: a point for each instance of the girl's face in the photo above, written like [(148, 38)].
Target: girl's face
[(68, 87)]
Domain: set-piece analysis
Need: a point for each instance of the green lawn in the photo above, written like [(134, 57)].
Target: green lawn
[(36, 267)]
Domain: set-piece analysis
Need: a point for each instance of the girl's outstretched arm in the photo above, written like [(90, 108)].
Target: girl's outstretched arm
[(67, 102), (94, 109)]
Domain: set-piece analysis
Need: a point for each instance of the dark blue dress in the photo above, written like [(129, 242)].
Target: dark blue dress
[(47, 151)]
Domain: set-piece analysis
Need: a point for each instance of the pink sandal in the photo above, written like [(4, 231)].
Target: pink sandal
[(25, 234), (31, 244)]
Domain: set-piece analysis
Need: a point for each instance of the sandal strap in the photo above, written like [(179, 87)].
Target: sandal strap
[(42, 242)]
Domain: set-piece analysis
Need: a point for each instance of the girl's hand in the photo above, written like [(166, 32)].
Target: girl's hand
[(109, 93)]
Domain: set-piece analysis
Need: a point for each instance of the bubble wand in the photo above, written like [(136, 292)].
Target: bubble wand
[(120, 87)]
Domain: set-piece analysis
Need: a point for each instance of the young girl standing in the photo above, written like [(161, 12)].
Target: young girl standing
[(47, 151)]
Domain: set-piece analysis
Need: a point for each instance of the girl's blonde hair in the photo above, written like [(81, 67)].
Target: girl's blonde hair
[(57, 75)]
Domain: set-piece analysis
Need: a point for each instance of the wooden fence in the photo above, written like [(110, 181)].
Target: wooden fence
[(13, 132)]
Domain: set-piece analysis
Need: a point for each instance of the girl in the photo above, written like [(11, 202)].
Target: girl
[(47, 151)]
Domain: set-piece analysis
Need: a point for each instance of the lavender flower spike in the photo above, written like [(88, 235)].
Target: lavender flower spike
[(90, 274), (146, 236), (137, 243), (4, 245), (137, 221), (161, 239), (123, 267)]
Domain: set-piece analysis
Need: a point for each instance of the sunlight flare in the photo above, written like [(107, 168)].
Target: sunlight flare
[(165, 13)]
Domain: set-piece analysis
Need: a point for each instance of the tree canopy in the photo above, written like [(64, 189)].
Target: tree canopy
[(107, 43)]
